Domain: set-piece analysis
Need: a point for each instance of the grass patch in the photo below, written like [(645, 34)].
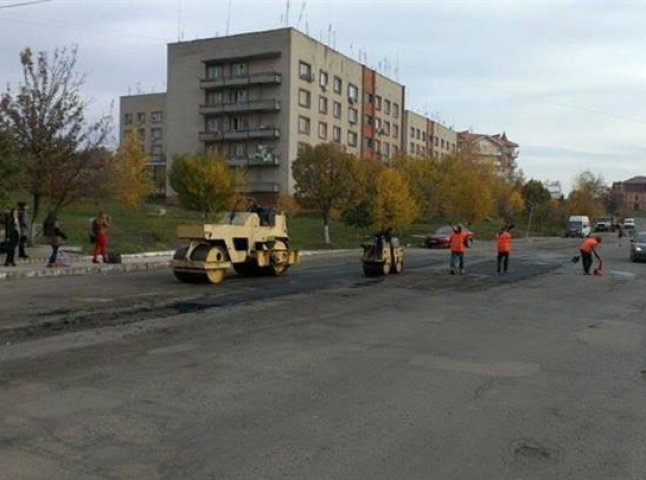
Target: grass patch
[(146, 229)]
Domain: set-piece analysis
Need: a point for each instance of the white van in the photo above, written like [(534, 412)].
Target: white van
[(578, 226)]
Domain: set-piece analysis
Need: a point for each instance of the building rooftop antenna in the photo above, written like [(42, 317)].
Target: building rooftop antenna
[(228, 18), (300, 15), (287, 13)]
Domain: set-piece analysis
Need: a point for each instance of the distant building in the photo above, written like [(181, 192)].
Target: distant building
[(631, 193), (555, 188), (497, 149), (145, 115), (425, 137)]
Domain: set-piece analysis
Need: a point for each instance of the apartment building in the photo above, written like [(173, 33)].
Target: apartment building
[(145, 115), (425, 137), (442, 140), (496, 149), (258, 97), (631, 193)]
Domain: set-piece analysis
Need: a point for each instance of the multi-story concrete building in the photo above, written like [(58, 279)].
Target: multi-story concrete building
[(442, 140), (425, 137), (631, 193), (257, 98), (145, 115)]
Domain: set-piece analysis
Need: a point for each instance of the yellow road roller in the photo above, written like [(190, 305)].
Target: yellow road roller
[(382, 255), (239, 239)]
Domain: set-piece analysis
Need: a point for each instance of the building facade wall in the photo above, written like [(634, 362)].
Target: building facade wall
[(415, 141), (444, 140)]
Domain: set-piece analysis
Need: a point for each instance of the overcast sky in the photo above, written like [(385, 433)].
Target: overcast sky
[(564, 80)]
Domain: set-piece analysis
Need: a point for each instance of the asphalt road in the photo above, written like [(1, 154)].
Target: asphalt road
[(324, 374)]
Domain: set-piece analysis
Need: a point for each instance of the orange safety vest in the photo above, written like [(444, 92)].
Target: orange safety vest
[(589, 244), (503, 240), (457, 242)]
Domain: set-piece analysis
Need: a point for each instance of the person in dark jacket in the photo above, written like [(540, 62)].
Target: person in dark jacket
[(12, 233), (55, 236), (23, 217)]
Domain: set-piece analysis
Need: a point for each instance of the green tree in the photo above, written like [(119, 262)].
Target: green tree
[(132, 179), (203, 183), (535, 193), (46, 118), (323, 180), (393, 205), (589, 195)]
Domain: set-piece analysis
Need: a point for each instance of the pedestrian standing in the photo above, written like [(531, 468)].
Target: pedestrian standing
[(503, 244), (589, 248), (23, 217), (620, 234), (12, 234), (55, 237), (458, 245), (100, 226)]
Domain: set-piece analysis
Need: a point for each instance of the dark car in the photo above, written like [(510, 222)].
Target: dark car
[(638, 247), (440, 238)]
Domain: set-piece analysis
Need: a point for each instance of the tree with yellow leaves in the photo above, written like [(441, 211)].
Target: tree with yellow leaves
[(131, 180), (393, 205), (203, 182)]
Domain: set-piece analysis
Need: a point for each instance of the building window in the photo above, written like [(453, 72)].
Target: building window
[(352, 139), (213, 72), (418, 133), (142, 134), (304, 125), (336, 109), (423, 136), (214, 98), (352, 115), (156, 150), (238, 150), (336, 134), (368, 120), (302, 146), (156, 117), (304, 98), (367, 142), (377, 102), (212, 124), (378, 124), (395, 130), (323, 105), (386, 128), (323, 78), (353, 92), (155, 133), (412, 132), (127, 119), (239, 123), (387, 107), (395, 110), (238, 69), (141, 117), (387, 149), (395, 150), (323, 130), (377, 146), (305, 71), (369, 98), (337, 85), (411, 148), (442, 143)]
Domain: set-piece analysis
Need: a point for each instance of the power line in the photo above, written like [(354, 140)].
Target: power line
[(24, 4)]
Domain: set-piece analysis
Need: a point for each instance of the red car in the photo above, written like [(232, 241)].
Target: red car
[(440, 238)]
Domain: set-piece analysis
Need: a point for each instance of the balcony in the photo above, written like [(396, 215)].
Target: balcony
[(271, 105), (265, 187), (260, 78), (260, 132), (268, 160)]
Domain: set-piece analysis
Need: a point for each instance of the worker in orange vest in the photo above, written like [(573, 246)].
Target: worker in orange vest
[(503, 244), (589, 248), (458, 245)]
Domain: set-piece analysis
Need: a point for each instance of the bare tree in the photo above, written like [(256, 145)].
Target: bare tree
[(46, 118)]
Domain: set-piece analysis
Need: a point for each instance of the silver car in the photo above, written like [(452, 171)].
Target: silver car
[(638, 247)]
